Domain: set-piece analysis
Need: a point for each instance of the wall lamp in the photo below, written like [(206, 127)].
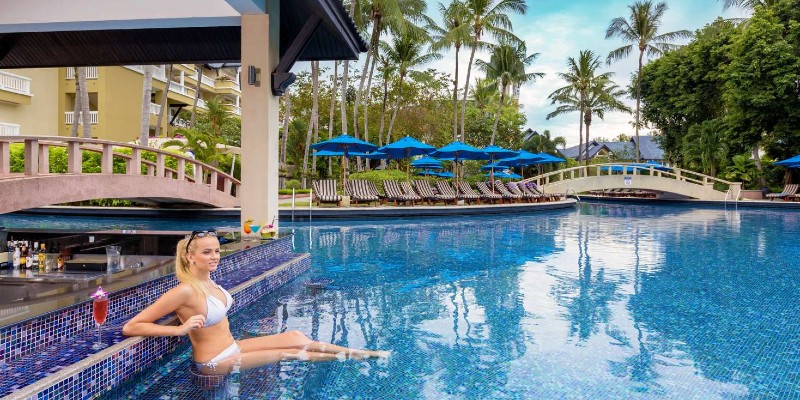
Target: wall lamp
[(253, 75)]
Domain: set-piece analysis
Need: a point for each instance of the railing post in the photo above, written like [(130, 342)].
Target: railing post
[(135, 166), (678, 174), (198, 174), (228, 185), (107, 160), (181, 169), (74, 158), (160, 165), (213, 179), (44, 158), (31, 157), (5, 158)]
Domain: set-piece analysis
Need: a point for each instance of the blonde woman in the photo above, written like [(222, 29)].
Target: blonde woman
[(202, 306)]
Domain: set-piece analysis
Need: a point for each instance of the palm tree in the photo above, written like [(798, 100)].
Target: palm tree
[(487, 16), (484, 94), (199, 70), (387, 71), (217, 114), (641, 30), (454, 33), (506, 67), (332, 108), (704, 147), (601, 97), (202, 144), (147, 93), (579, 76), (748, 4), (287, 113), (544, 143), (407, 51), (80, 112), (164, 108), (395, 15), (314, 117)]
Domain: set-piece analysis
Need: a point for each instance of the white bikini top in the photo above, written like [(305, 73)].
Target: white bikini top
[(217, 310)]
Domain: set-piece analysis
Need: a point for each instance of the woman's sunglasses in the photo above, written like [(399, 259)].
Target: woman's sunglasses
[(201, 234)]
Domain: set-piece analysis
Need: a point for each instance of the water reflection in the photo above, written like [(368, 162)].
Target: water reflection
[(609, 302)]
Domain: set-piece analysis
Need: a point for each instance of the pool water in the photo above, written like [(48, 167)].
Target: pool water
[(601, 302)]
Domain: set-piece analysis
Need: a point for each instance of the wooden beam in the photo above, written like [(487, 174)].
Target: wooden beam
[(281, 77)]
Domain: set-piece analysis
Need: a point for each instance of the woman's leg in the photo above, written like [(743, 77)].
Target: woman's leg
[(297, 340)]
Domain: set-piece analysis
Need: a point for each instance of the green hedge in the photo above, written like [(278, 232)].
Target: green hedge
[(297, 191)]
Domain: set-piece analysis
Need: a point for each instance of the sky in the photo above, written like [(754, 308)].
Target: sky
[(558, 29)]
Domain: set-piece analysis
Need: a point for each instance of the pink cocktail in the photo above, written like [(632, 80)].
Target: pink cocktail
[(99, 313)]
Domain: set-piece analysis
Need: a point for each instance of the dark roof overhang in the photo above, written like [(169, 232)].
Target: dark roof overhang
[(309, 30)]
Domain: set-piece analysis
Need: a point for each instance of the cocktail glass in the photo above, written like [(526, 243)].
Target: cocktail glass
[(100, 313)]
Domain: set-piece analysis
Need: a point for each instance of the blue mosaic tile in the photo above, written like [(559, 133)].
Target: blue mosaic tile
[(37, 348)]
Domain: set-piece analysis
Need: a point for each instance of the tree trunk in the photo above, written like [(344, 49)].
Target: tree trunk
[(315, 108), (164, 108), (345, 77), (396, 108), (287, 114), (199, 70), (466, 88), (638, 100), (85, 111), (372, 48), (366, 105), (587, 121), (580, 131), (332, 109), (147, 91), (383, 117), (314, 119), (497, 115), (455, 99), (76, 109), (761, 180)]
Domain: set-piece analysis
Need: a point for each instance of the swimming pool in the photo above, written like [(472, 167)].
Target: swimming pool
[(606, 301)]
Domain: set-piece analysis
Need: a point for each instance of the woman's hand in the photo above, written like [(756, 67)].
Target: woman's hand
[(195, 322)]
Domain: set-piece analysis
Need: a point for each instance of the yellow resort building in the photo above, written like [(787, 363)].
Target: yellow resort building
[(40, 102)]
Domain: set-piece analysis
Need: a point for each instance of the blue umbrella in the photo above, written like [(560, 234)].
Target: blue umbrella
[(428, 172), (459, 151), (497, 152), (524, 158), (547, 158), (407, 147), (445, 174), (426, 162), (793, 162), (347, 145), (505, 175)]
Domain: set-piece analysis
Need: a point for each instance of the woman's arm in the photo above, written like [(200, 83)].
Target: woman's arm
[(143, 324)]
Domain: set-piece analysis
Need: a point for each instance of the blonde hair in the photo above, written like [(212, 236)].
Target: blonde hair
[(182, 271)]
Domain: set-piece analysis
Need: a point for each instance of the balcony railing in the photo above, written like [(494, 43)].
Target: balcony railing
[(91, 73), (180, 89), (158, 71), (69, 117), (15, 83), (236, 110), (202, 103), (155, 108), (9, 129)]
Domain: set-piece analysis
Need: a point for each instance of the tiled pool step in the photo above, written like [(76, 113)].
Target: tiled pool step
[(71, 369)]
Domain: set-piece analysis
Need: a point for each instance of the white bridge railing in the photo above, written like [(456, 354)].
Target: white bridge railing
[(36, 156), (632, 169)]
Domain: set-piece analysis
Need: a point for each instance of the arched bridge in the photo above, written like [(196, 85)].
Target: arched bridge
[(138, 173), (674, 181)]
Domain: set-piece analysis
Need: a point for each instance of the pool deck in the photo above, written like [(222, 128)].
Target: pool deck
[(387, 211)]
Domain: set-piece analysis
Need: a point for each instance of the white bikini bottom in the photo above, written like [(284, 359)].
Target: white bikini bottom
[(230, 351)]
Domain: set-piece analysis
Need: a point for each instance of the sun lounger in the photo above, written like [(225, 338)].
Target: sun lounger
[(465, 192), (395, 194), (529, 197), (445, 189), (550, 196), (487, 193), (788, 191), (358, 191), (409, 191), (325, 192), (499, 187), (523, 187), (426, 192)]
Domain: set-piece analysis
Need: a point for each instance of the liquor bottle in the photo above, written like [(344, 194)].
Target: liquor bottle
[(15, 259), (60, 260), (23, 256), (33, 257), (42, 255)]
